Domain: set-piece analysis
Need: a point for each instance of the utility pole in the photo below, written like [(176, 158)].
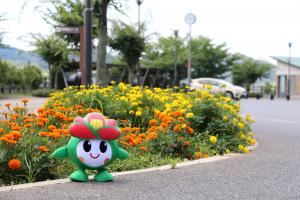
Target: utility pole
[(175, 60), (288, 96), (88, 47), (139, 2), (190, 19)]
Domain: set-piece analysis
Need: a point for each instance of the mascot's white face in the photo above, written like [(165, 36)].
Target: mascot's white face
[(94, 153)]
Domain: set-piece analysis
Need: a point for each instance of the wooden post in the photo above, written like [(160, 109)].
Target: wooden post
[(81, 59)]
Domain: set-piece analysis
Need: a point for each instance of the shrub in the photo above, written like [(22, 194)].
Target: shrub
[(158, 125), (44, 92)]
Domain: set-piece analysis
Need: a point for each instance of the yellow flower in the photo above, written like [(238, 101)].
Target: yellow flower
[(225, 118), (227, 151), (235, 121), (189, 115), (213, 139), (138, 113), (131, 112), (208, 86), (241, 147), (242, 135), (241, 125), (246, 150)]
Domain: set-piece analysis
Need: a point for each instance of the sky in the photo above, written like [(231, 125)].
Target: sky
[(255, 28)]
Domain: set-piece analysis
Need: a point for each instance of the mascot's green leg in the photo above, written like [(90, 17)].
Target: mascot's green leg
[(79, 176), (103, 176)]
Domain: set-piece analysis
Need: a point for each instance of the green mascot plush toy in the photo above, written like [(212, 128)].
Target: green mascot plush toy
[(92, 146)]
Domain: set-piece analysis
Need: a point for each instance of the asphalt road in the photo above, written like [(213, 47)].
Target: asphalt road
[(271, 171)]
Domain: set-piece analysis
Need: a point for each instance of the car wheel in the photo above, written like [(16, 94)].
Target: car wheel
[(230, 94)]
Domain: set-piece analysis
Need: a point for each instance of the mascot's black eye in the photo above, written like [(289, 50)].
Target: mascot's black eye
[(103, 146), (87, 145)]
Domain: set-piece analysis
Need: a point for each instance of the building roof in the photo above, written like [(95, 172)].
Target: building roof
[(295, 61)]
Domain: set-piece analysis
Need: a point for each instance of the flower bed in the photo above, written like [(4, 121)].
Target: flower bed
[(159, 126)]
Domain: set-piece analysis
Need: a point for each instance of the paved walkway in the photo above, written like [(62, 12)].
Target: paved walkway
[(33, 104), (271, 171)]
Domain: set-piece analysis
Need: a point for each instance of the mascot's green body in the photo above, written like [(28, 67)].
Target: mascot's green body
[(92, 146)]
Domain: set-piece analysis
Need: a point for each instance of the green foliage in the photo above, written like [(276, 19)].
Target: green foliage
[(161, 54), (129, 43), (28, 76), (69, 13), (246, 71), (32, 76), (54, 51), (208, 59), (45, 92)]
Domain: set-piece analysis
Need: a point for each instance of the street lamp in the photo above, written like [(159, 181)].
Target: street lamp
[(139, 2), (175, 59), (190, 19), (88, 31), (288, 96)]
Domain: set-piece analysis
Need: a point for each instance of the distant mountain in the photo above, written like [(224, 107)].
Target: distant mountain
[(20, 57)]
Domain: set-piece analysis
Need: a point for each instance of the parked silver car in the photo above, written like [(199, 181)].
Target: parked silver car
[(219, 85)]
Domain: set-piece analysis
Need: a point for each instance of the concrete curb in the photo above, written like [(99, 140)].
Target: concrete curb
[(160, 168)]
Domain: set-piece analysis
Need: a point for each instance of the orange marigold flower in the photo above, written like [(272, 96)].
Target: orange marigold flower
[(189, 130), (151, 129), (70, 119), (206, 155), (142, 135), (44, 120), (179, 138), (1, 130), (25, 101), (186, 143), (181, 119), (27, 125), (143, 148), (44, 134), (16, 128), (177, 128), (11, 141), (165, 125), (152, 135), (51, 127), (14, 164), (55, 134), (43, 148), (40, 124), (28, 120), (15, 134), (152, 122), (7, 105), (198, 155)]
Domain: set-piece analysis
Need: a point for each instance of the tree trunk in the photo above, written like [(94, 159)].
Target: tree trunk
[(50, 76), (101, 75), (130, 75), (55, 79), (155, 78), (123, 74), (145, 76)]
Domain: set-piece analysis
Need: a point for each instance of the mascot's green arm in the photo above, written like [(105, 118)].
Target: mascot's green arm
[(123, 154), (61, 152)]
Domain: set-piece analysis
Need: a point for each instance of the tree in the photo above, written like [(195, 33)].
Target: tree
[(101, 75), (54, 51), (128, 41), (246, 71), (69, 13), (161, 55), (33, 77), (208, 59)]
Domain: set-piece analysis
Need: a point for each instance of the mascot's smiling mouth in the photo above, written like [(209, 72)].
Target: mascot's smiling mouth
[(94, 157)]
